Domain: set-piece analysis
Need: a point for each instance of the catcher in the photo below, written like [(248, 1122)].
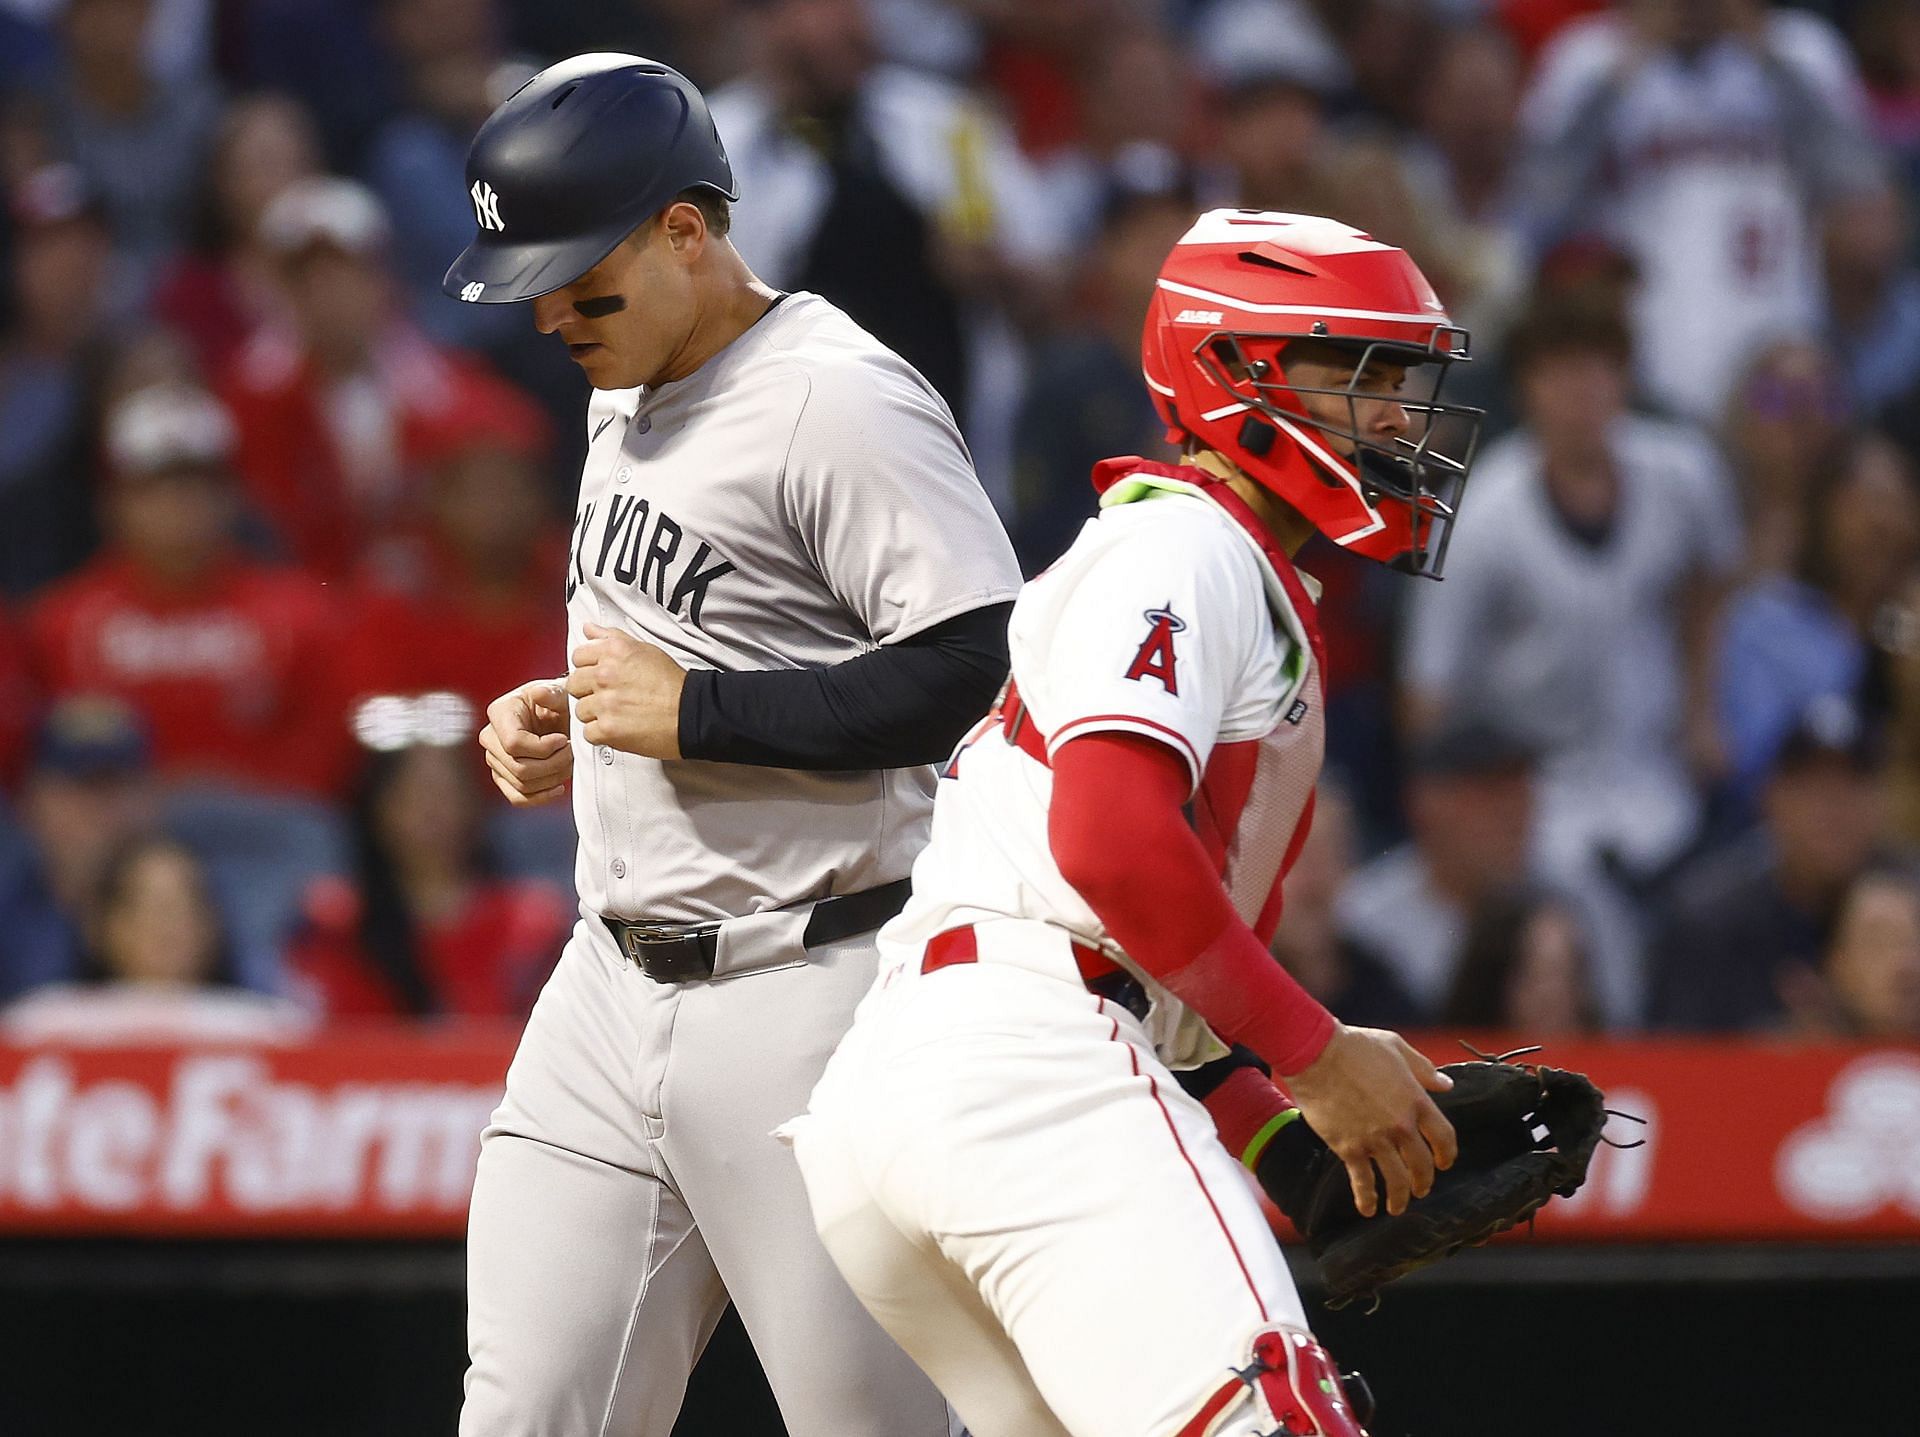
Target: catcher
[(999, 1157)]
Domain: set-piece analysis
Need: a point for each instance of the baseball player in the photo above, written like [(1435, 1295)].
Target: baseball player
[(999, 1157), (787, 596)]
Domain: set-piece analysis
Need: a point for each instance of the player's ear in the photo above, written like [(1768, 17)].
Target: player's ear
[(685, 229)]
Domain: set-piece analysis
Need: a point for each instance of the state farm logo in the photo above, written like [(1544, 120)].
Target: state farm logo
[(222, 1130), (1864, 1153)]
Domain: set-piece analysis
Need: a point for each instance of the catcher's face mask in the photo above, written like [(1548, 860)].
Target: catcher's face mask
[(1386, 454)]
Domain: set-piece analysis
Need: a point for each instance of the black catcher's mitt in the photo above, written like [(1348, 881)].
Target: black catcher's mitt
[(1503, 1175)]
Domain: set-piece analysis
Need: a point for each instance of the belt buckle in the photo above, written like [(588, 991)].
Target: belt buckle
[(669, 952), (644, 932)]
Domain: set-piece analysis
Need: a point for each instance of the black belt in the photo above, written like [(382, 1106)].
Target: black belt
[(684, 952)]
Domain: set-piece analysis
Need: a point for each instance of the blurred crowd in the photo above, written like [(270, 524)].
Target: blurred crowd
[(277, 519)]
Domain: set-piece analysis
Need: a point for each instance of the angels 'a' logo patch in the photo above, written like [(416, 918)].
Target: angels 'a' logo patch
[(1155, 658)]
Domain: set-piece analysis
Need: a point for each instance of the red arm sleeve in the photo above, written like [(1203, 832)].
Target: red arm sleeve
[(1120, 836)]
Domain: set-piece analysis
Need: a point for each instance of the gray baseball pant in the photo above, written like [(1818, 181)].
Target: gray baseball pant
[(629, 1185)]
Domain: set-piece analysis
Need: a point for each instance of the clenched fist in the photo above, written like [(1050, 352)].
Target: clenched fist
[(526, 744), (627, 693)]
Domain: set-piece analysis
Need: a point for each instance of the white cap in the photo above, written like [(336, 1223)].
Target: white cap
[(166, 425), (325, 210), (1244, 43)]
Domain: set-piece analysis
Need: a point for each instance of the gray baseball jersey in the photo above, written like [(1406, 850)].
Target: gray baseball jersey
[(799, 499)]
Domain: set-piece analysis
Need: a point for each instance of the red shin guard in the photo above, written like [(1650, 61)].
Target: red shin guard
[(1293, 1379)]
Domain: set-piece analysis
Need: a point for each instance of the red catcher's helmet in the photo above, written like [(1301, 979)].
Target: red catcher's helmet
[(1241, 286)]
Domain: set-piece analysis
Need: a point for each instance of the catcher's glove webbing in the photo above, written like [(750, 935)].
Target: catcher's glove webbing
[(1526, 1133)]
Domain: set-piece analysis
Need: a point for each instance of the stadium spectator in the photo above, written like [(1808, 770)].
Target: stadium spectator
[(147, 356), (219, 291), (1459, 163), (1749, 921), (1789, 640), (699, 38), (1868, 985), (1274, 72), (88, 790), (36, 943), (1873, 293), (1581, 600), (1137, 102), (1029, 60), (230, 662), (417, 162), (140, 137), (1084, 399), (899, 197), (1355, 986), (1525, 968), (1900, 632), (1237, 40), (331, 57), (19, 702), (1701, 138), (1886, 36), (429, 931), (1389, 46), (1534, 22), (1279, 153), (157, 965), (1789, 415), (455, 73), (332, 405), (461, 608), (1470, 810), (58, 318)]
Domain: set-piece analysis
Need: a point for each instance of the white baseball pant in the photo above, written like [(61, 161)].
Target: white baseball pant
[(1024, 1197), (629, 1185)]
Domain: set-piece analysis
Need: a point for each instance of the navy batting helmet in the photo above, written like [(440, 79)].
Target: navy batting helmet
[(572, 163)]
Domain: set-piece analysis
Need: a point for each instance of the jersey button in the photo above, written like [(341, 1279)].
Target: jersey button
[(606, 756), (622, 474), (642, 424), (619, 868)]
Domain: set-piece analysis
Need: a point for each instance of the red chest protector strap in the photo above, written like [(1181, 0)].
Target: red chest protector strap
[(1020, 729)]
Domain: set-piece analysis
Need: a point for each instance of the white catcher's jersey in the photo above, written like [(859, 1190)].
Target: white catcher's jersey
[(800, 499), (1166, 619)]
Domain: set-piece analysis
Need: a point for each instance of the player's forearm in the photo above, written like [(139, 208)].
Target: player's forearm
[(1248, 1111), (1118, 832), (904, 704)]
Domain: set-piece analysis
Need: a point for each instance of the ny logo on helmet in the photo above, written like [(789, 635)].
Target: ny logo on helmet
[(486, 206)]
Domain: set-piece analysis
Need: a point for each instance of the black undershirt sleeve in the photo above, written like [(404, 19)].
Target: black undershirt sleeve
[(1201, 1081), (903, 704)]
